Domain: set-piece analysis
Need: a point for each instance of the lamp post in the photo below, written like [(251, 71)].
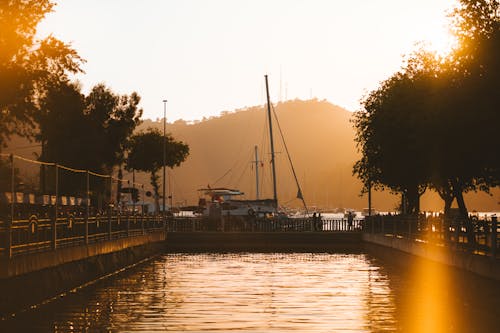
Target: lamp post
[(164, 150)]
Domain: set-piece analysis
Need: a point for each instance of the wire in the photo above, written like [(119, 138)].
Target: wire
[(245, 169), (71, 169), (24, 147), (224, 175), (33, 161), (289, 159)]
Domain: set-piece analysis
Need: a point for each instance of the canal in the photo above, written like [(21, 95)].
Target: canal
[(273, 292)]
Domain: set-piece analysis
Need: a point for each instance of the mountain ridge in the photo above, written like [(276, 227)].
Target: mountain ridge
[(319, 137)]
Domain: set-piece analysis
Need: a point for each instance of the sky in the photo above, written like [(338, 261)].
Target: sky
[(206, 57)]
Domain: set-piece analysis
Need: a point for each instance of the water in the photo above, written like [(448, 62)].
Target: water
[(273, 292)]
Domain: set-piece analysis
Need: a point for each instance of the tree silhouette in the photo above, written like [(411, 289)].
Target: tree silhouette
[(27, 65), (114, 118), (389, 134), (146, 154), (85, 132), (434, 122)]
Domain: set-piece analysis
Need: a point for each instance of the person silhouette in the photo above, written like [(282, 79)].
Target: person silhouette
[(350, 219), (319, 223)]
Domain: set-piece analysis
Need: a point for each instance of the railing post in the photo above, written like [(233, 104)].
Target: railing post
[(494, 236), (110, 227), (56, 210), (87, 214), (128, 224), (8, 246), (446, 231), (109, 222), (409, 227)]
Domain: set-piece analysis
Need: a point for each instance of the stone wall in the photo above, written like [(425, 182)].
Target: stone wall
[(30, 279), (264, 241), (479, 264)]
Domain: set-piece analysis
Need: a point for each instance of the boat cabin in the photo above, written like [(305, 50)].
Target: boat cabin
[(221, 202)]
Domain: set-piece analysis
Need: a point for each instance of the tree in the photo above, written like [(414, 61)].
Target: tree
[(85, 132), (389, 135), (27, 65), (114, 118), (434, 122), (469, 105), (146, 154)]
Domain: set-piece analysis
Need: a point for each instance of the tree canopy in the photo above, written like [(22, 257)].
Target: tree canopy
[(28, 65), (434, 123), (87, 132), (146, 154)]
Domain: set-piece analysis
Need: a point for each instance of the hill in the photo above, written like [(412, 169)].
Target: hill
[(320, 139)]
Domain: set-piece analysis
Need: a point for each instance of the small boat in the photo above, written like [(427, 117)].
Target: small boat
[(366, 212), (221, 202)]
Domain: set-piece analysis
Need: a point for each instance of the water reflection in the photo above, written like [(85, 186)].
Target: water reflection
[(280, 292), (436, 298)]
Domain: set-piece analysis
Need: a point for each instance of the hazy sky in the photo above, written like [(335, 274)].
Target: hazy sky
[(208, 56)]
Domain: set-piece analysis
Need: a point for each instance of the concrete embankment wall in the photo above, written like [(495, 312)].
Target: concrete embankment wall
[(384, 246), (264, 241), (30, 279)]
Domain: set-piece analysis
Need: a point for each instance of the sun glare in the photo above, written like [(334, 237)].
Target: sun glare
[(442, 43), (436, 36)]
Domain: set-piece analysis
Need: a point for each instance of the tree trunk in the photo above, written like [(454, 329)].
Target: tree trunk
[(446, 193), (403, 203), (156, 187), (43, 181), (413, 200), (458, 192), (119, 187)]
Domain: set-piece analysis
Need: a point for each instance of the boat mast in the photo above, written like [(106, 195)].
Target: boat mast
[(275, 195), (256, 173)]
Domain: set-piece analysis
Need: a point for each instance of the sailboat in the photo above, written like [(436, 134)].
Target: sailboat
[(221, 201)]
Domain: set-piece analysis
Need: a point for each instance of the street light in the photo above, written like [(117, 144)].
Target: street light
[(164, 149)]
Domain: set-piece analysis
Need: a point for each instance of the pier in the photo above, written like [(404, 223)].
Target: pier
[(41, 257), (35, 266)]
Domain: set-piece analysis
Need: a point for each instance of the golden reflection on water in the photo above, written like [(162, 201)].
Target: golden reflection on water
[(264, 292), (428, 305), (271, 292)]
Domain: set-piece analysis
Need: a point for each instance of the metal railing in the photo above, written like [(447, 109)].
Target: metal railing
[(247, 224), (473, 235), (39, 234)]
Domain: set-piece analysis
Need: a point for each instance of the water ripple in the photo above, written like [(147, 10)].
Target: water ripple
[(250, 292)]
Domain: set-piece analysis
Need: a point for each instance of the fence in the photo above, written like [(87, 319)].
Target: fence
[(46, 206), (474, 235), (247, 224), (72, 228), (28, 184), (38, 234)]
